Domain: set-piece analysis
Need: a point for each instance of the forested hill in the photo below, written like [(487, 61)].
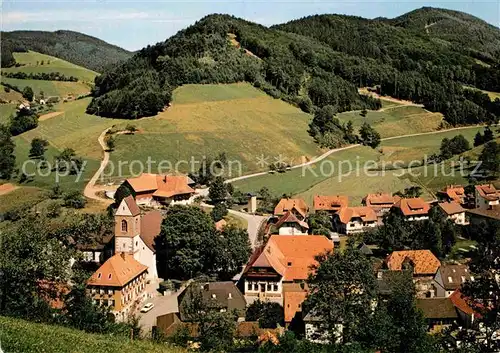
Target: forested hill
[(312, 62), (208, 52), (456, 28), (77, 48)]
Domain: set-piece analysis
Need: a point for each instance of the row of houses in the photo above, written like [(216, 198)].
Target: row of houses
[(290, 214)]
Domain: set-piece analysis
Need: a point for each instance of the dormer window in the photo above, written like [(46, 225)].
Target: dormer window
[(450, 279), (289, 264), (124, 226)]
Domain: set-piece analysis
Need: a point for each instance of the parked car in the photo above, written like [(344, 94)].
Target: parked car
[(147, 307)]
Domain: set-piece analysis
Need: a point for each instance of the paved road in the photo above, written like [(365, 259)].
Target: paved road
[(163, 305)]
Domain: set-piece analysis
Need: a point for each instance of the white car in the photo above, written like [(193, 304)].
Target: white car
[(147, 307)]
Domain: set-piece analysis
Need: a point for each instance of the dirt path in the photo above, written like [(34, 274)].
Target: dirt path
[(49, 116), (6, 188), (90, 189)]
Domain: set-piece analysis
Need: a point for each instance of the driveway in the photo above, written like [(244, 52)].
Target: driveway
[(163, 305)]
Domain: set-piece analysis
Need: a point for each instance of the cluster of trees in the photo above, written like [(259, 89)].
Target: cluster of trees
[(437, 233), (490, 159), (451, 147), (25, 119), (36, 256), (47, 76), (480, 139), (328, 131), (77, 48), (189, 246), (7, 156)]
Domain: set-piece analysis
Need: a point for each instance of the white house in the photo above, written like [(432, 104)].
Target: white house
[(486, 196), (413, 209), (453, 212), (135, 233), (289, 224), (350, 220)]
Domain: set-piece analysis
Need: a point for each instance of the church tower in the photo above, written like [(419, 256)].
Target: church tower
[(127, 226)]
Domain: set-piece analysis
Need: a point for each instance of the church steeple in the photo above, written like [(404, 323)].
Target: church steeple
[(127, 225)]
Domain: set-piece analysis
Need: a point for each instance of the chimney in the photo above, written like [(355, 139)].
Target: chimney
[(229, 296), (165, 179), (122, 254)]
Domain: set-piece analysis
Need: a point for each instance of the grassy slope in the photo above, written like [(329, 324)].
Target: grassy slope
[(308, 183), (205, 120), (21, 197), (396, 120), (50, 88), (11, 96), (73, 129), (51, 64), (19, 336), (6, 110)]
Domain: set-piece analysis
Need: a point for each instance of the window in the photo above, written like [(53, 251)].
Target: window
[(450, 279), (124, 226), (110, 291), (249, 286), (101, 291), (269, 287), (255, 286), (289, 264), (275, 287), (93, 290)]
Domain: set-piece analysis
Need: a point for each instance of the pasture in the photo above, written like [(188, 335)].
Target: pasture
[(205, 120), (50, 88), (6, 110), (395, 120), (32, 63), (350, 175), (11, 96)]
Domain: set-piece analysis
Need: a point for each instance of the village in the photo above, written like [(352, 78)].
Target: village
[(283, 255)]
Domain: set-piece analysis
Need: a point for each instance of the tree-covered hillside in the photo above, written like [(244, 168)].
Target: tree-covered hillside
[(204, 53), (313, 62), (457, 28), (408, 64), (77, 48)]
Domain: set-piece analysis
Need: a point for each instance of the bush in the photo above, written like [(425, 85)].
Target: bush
[(74, 199)]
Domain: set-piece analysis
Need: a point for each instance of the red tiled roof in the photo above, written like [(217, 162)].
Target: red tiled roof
[(289, 217), (454, 192), (488, 192), (413, 207), (330, 203), (380, 200), (367, 214), (493, 212), (285, 205), (151, 228), (161, 185), (117, 271), (424, 261), (290, 256), (460, 302), (132, 205), (293, 297), (451, 207)]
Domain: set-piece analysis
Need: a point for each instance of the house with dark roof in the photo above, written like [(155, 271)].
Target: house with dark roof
[(413, 209), (330, 204), (440, 313), (351, 220), (156, 190), (486, 196), (479, 215), (297, 207), (220, 296), (450, 277), (120, 284), (454, 212), (135, 233), (289, 224)]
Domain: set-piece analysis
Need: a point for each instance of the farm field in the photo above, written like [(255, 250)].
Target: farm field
[(236, 119), (50, 88), (396, 120), (28, 337), (31, 63), (11, 96), (6, 110), (307, 184)]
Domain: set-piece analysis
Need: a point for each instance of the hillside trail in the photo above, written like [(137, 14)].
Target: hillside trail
[(91, 189)]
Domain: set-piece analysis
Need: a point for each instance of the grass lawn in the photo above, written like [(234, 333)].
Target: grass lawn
[(31, 62), (11, 96), (50, 88), (396, 120), (6, 110), (456, 253), (357, 185), (205, 120), (19, 336), (21, 197)]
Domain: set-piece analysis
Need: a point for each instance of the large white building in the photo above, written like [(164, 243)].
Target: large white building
[(135, 233)]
